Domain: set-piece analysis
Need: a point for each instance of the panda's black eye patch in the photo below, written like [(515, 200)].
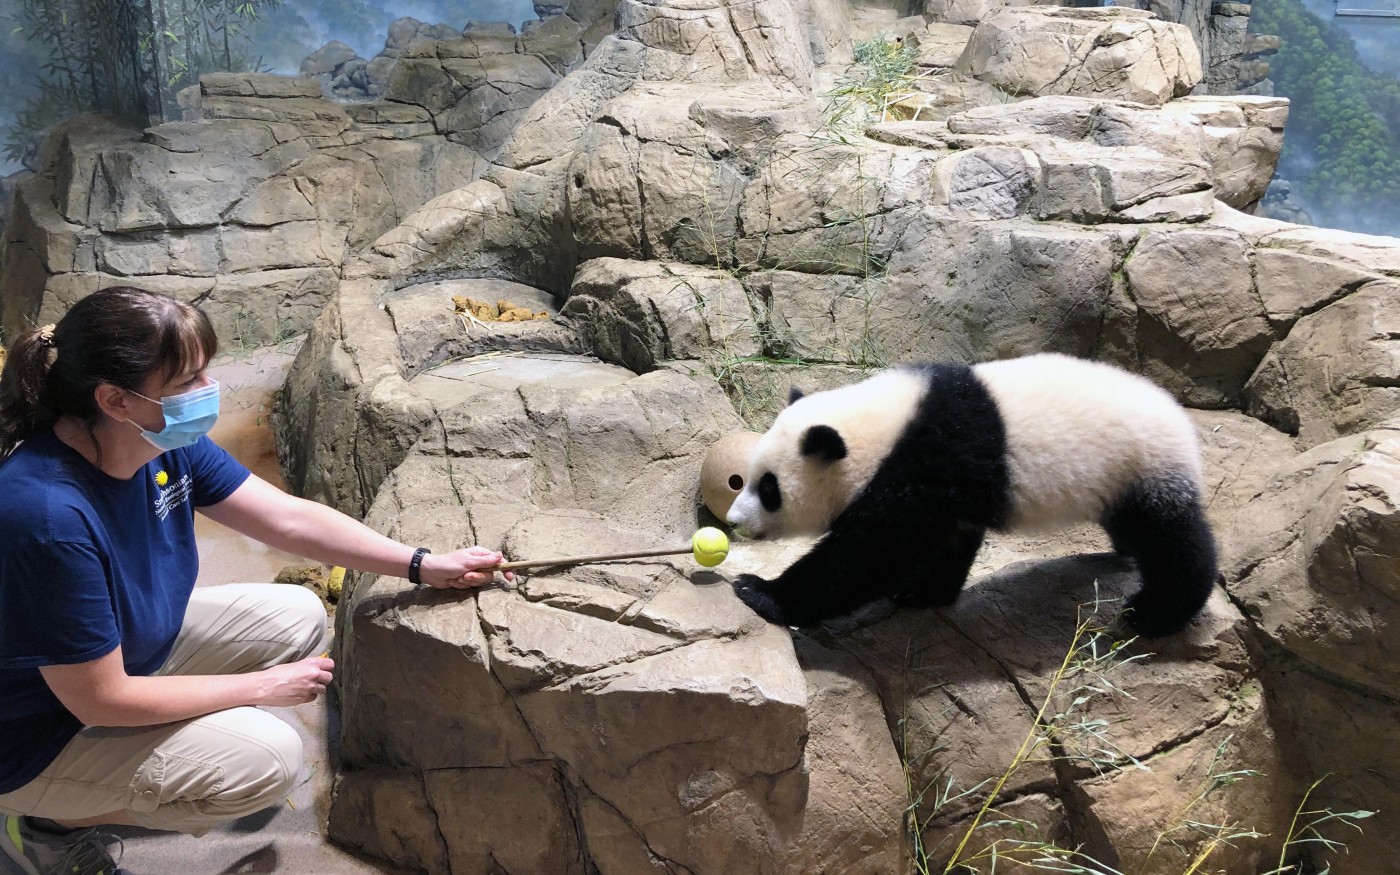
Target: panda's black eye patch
[(769, 495)]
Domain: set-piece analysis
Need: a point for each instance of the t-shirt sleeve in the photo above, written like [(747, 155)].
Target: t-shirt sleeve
[(57, 605), (216, 474)]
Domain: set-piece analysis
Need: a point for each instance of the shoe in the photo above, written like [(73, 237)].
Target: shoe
[(27, 850)]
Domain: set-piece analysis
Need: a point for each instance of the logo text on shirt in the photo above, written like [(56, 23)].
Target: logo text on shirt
[(173, 496)]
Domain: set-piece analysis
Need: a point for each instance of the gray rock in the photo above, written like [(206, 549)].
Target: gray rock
[(992, 182), (494, 28), (327, 59), (405, 33)]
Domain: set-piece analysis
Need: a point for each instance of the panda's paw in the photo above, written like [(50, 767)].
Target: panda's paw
[(754, 591), (1149, 618)]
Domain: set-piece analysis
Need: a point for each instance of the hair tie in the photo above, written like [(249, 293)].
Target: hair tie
[(46, 336)]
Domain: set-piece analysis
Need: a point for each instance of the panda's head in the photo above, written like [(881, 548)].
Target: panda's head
[(822, 451), (795, 484)]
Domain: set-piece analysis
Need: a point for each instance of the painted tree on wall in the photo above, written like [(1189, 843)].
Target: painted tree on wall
[(126, 57), (1342, 146)]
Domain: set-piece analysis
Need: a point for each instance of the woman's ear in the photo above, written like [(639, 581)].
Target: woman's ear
[(113, 400)]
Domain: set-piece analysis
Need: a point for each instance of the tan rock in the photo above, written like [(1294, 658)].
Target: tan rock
[(1236, 782), (257, 85), (382, 810), (1196, 287), (1292, 285), (1313, 565), (515, 819), (1114, 53), (853, 765), (1243, 138), (640, 314), (967, 12), (1333, 374)]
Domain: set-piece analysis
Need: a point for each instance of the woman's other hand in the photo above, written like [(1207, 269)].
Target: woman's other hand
[(296, 682)]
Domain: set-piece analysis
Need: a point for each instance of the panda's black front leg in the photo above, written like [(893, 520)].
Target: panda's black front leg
[(948, 558), (767, 599), (845, 570)]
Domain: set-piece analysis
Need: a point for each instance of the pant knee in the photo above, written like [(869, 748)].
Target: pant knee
[(260, 768), (309, 622)]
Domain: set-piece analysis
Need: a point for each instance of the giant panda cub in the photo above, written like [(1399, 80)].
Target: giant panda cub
[(907, 470)]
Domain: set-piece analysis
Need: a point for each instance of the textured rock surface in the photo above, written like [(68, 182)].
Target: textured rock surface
[(664, 182), (248, 213), (1114, 53), (698, 232), (1315, 571)]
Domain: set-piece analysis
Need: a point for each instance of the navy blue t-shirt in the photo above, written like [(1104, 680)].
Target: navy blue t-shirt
[(88, 562)]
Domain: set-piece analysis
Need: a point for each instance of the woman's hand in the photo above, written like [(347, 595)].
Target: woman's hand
[(295, 683), (461, 569)]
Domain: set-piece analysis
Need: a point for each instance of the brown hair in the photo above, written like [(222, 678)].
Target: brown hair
[(119, 335)]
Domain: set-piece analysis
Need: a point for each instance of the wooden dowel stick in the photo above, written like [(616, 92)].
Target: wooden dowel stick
[(581, 560)]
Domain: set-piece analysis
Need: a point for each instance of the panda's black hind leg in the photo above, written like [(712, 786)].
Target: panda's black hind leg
[(1161, 525), (943, 569)]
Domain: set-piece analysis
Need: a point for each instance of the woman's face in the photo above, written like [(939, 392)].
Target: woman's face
[(147, 410)]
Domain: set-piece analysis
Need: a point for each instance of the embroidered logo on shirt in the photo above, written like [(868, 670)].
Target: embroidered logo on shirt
[(173, 496), (162, 478)]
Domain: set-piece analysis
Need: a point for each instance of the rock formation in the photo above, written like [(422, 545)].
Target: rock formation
[(677, 197)]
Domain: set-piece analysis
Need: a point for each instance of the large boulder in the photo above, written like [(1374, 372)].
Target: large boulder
[(1113, 53), (1243, 137), (1335, 372), (1313, 568), (643, 314)]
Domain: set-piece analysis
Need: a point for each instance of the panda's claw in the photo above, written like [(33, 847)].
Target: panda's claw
[(754, 591)]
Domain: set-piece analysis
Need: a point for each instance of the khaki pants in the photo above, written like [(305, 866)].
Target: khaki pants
[(193, 775)]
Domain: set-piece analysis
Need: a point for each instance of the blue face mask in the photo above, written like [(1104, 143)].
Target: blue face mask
[(188, 417)]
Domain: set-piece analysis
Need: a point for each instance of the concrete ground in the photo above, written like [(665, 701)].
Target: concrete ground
[(289, 838)]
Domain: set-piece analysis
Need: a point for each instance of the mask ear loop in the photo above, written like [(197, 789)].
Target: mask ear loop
[(136, 425)]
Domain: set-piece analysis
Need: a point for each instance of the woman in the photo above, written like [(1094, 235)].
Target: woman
[(126, 695)]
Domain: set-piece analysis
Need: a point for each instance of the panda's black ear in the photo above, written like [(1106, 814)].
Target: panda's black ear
[(794, 395), (824, 442)]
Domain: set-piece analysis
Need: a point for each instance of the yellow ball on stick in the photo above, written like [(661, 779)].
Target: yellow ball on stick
[(710, 546)]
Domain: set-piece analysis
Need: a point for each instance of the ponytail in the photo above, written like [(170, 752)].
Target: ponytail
[(24, 409), (117, 336)]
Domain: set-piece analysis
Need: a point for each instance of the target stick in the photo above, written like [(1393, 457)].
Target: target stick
[(709, 546)]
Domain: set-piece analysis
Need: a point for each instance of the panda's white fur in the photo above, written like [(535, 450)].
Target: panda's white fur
[(1077, 432), (927, 458)]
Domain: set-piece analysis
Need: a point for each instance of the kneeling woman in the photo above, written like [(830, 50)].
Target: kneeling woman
[(127, 696)]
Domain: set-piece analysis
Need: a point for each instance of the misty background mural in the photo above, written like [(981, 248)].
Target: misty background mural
[(1341, 157), (61, 57), (1341, 151)]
